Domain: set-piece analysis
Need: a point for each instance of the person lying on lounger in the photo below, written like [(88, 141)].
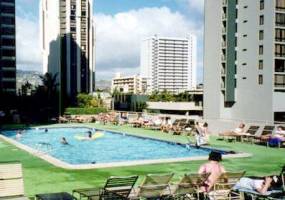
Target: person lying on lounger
[(240, 130), (260, 185)]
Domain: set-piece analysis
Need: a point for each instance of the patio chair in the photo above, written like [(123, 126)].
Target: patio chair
[(179, 127), (223, 188), (188, 186), (115, 188), (276, 194), (154, 186), (265, 135), (251, 133), (11, 181)]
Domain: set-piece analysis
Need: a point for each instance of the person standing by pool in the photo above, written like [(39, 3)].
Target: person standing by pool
[(214, 168), (202, 134)]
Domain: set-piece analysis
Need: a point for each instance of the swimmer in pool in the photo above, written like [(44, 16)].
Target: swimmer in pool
[(19, 135), (46, 130), (63, 141), (89, 134)]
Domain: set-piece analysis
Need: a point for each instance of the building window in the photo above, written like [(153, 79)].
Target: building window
[(280, 19), (244, 50), (261, 19), (279, 80), (260, 49), (279, 50), (279, 65), (260, 64), (261, 35), (261, 4), (244, 21), (280, 35), (260, 79), (245, 35), (280, 5)]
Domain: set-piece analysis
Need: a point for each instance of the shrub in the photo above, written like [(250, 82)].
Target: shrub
[(85, 111)]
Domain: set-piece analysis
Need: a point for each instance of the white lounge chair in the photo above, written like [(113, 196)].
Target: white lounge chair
[(11, 181)]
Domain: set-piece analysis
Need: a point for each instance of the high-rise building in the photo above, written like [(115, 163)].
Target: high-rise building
[(169, 63), (129, 84), (244, 60), (67, 37), (7, 47)]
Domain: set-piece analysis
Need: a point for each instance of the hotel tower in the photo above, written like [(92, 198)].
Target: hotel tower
[(68, 43), (244, 60)]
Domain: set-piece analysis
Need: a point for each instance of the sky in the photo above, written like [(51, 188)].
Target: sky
[(120, 27)]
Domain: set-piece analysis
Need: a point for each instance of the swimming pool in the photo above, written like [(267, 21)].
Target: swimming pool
[(111, 148)]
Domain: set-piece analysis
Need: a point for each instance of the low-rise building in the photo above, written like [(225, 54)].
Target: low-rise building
[(129, 84), (191, 107)]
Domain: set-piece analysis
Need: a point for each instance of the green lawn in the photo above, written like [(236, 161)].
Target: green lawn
[(41, 177)]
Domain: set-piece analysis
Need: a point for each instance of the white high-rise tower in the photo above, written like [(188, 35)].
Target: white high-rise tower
[(67, 40), (169, 63)]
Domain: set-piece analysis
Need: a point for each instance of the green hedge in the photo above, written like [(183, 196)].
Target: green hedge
[(85, 111)]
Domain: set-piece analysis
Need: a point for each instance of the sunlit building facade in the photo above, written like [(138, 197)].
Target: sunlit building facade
[(68, 43)]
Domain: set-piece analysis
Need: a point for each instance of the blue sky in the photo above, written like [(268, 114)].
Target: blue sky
[(120, 26)]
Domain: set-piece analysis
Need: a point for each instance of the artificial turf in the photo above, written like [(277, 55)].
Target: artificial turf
[(42, 177)]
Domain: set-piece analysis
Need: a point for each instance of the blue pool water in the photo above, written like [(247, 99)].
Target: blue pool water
[(112, 147)]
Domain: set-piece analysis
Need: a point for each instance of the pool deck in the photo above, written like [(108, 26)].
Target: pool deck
[(58, 163)]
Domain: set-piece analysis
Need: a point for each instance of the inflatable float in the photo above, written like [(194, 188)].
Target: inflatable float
[(94, 136)]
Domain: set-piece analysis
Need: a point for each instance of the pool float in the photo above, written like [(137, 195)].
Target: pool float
[(94, 136)]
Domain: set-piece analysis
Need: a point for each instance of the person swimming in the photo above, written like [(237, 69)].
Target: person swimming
[(46, 130), (89, 134), (64, 141), (19, 135)]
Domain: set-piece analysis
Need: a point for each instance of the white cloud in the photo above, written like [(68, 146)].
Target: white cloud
[(28, 50), (119, 36), (193, 6), (197, 5)]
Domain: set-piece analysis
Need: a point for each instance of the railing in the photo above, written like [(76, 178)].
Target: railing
[(249, 121)]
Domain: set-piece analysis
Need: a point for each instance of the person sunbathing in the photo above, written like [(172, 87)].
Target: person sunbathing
[(260, 185), (214, 168), (166, 125), (240, 130)]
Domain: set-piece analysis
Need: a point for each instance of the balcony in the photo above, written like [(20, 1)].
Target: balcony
[(224, 16), (223, 58)]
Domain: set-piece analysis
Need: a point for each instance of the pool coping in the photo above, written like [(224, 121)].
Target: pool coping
[(59, 163)]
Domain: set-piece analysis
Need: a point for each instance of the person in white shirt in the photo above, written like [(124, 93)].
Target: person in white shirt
[(202, 134), (261, 185)]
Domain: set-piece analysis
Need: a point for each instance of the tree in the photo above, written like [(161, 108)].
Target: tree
[(49, 83), (84, 100), (25, 87)]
